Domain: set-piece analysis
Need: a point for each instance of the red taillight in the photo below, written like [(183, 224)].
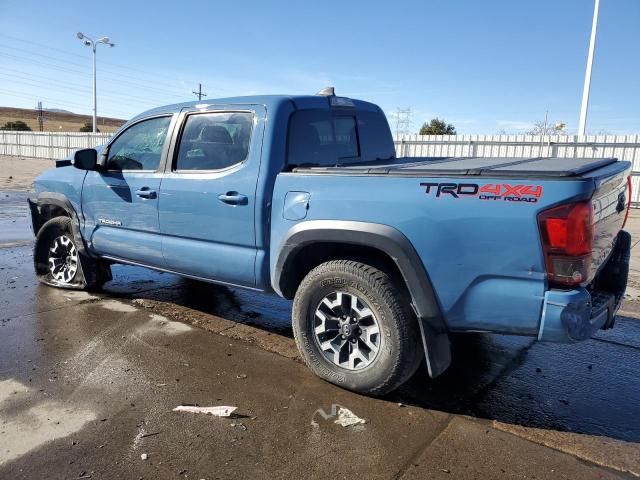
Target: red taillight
[(557, 232), (567, 240)]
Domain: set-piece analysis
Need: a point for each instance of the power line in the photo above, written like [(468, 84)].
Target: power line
[(69, 86), (75, 64), (107, 73), (114, 101), (115, 64), (56, 103)]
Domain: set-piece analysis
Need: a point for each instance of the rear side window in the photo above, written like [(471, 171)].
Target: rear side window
[(213, 141), (319, 137), (330, 137)]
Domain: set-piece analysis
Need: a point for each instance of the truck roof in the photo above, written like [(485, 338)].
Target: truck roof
[(269, 101)]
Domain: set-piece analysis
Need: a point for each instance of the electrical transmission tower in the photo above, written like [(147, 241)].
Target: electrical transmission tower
[(40, 117), (404, 121), (199, 93)]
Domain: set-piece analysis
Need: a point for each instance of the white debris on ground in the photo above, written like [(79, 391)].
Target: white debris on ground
[(346, 418), (144, 456), (117, 306), (168, 326), (216, 411), (78, 296)]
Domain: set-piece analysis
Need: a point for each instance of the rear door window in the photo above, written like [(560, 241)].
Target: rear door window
[(214, 141)]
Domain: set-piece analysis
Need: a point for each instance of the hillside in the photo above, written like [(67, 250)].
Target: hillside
[(57, 121)]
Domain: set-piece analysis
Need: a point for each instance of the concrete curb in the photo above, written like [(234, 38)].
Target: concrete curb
[(606, 452)]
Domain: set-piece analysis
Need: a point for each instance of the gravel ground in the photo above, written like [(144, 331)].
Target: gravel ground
[(17, 173)]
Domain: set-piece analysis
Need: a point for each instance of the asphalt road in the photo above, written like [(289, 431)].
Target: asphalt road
[(88, 384)]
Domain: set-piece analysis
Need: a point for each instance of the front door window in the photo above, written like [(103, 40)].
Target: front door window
[(140, 146)]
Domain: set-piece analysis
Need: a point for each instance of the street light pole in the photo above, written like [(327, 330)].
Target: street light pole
[(587, 77), (94, 44), (95, 95)]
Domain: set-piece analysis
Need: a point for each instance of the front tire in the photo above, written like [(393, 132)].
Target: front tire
[(59, 261), (354, 327)]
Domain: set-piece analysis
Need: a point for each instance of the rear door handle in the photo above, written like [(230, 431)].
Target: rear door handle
[(146, 192), (233, 198)]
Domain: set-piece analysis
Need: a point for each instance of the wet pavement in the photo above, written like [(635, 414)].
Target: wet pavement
[(14, 221), (88, 384)]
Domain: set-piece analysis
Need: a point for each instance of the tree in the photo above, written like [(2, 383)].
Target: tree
[(544, 128), (88, 127), (437, 127), (18, 125)]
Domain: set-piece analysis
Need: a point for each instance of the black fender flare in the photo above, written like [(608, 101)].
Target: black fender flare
[(398, 247), (59, 200)]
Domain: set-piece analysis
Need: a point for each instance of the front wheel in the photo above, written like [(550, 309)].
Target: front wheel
[(59, 262), (354, 327)]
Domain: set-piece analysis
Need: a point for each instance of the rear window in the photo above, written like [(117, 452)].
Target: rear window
[(331, 137)]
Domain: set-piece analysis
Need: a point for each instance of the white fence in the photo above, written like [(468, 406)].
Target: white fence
[(57, 145), (54, 145), (623, 147)]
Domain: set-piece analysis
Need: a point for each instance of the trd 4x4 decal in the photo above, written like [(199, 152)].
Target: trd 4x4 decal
[(491, 191)]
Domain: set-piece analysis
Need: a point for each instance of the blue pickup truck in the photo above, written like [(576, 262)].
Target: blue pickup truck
[(384, 257)]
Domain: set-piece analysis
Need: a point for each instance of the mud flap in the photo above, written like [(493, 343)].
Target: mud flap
[(437, 347)]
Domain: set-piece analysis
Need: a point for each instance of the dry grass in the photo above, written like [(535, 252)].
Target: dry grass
[(57, 121)]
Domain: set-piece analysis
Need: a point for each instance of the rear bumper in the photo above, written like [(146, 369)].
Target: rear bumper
[(575, 315)]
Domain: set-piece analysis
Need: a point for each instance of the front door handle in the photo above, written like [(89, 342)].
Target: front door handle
[(146, 192), (233, 198)]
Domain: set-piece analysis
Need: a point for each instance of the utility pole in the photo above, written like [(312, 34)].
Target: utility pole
[(544, 131), (40, 117), (587, 76), (199, 93)]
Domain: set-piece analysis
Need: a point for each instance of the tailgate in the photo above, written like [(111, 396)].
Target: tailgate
[(610, 204)]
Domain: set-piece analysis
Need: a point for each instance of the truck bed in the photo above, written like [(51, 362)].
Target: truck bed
[(473, 166)]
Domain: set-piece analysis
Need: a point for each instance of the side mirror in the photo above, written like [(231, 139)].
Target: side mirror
[(86, 159)]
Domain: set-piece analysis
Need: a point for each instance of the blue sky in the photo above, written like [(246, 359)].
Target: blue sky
[(485, 66)]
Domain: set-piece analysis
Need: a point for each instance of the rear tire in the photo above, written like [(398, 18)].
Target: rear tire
[(354, 327), (59, 262)]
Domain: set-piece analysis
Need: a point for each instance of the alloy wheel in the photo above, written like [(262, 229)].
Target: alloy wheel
[(346, 330), (63, 259)]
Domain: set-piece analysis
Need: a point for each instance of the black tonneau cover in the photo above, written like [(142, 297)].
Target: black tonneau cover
[(480, 166)]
